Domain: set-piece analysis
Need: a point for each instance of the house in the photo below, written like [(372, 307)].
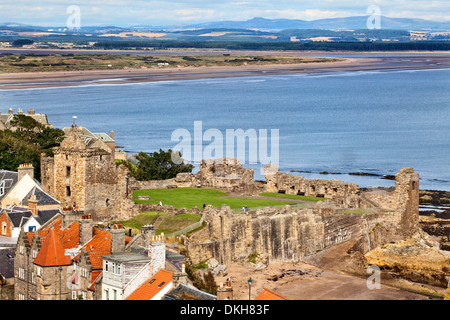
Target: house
[(154, 288), (5, 119), (63, 260), (7, 273), (13, 220), (267, 294), (24, 202)]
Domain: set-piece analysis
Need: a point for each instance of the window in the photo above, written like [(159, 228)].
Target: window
[(21, 249), (68, 193), (116, 268), (31, 228), (4, 228), (161, 284), (2, 187), (106, 295), (21, 296), (38, 271), (68, 172), (74, 295), (21, 273), (114, 294), (34, 253), (106, 266)]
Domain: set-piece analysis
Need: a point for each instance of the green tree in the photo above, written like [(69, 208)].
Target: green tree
[(159, 166), (22, 42), (26, 144)]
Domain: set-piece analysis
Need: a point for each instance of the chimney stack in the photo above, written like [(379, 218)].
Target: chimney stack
[(111, 134), (32, 205), (157, 254), (148, 232), (26, 168), (31, 111), (117, 240), (85, 226), (225, 292), (180, 277)]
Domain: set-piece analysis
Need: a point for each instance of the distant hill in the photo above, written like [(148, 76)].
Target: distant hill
[(349, 23)]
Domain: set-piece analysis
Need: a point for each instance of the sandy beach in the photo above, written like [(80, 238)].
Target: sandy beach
[(24, 80)]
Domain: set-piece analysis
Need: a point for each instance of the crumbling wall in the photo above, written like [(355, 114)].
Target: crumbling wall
[(280, 234), (278, 181), (225, 174)]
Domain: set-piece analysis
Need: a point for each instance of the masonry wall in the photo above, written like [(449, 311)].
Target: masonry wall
[(281, 235)]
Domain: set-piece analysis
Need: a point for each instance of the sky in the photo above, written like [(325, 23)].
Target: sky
[(156, 13)]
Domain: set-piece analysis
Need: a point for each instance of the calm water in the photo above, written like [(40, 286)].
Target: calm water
[(373, 122)]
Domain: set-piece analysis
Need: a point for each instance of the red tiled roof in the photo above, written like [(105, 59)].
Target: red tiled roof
[(52, 252), (267, 294), (97, 247), (95, 275), (152, 286)]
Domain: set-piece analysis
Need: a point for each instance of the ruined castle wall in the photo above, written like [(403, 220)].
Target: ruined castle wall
[(283, 235), (291, 184)]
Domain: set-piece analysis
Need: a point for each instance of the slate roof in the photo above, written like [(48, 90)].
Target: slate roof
[(104, 137), (6, 118), (7, 262), (7, 180), (19, 216), (42, 197)]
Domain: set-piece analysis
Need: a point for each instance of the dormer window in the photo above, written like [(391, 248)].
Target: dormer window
[(2, 187)]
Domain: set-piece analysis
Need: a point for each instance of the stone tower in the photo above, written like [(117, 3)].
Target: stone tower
[(407, 197), (82, 174)]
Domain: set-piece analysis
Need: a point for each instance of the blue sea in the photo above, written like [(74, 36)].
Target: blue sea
[(364, 121)]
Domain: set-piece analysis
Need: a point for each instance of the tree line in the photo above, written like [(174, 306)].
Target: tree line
[(317, 46)]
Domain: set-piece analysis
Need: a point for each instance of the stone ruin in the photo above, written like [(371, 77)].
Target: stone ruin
[(292, 233)]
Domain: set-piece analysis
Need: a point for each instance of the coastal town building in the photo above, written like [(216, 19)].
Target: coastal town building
[(5, 119), (62, 260), (7, 273), (82, 174), (23, 203)]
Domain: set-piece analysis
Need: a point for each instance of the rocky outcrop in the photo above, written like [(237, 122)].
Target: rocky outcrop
[(417, 258)]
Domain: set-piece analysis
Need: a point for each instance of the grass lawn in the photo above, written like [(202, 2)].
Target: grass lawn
[(142, 219), (291, 196), (168, 225), (191, 197), (175, 223)]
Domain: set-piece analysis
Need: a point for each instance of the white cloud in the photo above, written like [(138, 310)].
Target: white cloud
[(196, 14), (128, 12)]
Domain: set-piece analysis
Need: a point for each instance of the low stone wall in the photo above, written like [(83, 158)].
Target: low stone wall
[(153, 207)]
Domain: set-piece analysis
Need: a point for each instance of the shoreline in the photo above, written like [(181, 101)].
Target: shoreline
[(29, 80)]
